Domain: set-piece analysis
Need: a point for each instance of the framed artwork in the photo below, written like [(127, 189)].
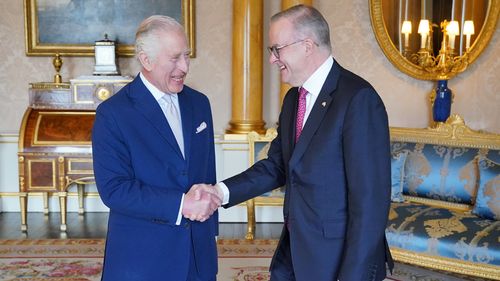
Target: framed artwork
[(71, 27), (258, 148)]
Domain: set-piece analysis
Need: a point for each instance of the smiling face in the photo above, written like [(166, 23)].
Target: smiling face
[(292, 59), (167, 69)]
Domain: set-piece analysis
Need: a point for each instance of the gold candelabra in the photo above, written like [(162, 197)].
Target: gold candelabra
[(445, 64)]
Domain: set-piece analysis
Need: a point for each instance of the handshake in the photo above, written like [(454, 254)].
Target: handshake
[(201, 201)]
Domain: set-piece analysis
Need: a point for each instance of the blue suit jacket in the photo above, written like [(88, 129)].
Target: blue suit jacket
[(337, 180), (141, 176)]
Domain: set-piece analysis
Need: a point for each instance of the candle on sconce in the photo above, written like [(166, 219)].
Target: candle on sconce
[(452, 30), (406, 30), (453, 10), (406, 10), (423, 30), (468, 31)]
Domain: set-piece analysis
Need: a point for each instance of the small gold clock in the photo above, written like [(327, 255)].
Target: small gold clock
[(103, 93)]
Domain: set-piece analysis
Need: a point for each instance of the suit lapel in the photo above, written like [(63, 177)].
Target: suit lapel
[(317, 114), (145, 104), (186, 108), (288, 124)]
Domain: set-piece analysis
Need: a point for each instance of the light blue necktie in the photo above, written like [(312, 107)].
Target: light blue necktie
[(174, 119)]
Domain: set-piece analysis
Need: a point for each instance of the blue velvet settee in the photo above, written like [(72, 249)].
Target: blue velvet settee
[(445, 211)]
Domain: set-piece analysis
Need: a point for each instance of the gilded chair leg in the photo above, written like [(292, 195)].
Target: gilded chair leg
[(62, 204), (45, 203), (81, 192), (250, 220), (23, 200)]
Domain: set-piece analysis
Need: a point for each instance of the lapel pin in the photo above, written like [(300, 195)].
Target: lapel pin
[(323, 103)]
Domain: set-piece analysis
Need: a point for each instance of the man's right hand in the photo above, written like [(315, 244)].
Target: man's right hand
[(201, 201)]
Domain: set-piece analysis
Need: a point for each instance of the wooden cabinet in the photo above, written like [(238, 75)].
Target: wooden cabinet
[(55, 139), (54, 152)]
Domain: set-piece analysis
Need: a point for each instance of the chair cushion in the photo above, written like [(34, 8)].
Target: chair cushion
[(442, 232), (488, 195)]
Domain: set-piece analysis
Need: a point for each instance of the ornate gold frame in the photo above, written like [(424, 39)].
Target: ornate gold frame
[(401, 63), (36, 48), (254, 137)]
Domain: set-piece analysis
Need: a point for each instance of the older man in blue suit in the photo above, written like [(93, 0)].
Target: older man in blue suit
[(331, 152), (151, 142)]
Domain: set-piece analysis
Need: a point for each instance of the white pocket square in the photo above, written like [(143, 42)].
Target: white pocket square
[(202, 127)]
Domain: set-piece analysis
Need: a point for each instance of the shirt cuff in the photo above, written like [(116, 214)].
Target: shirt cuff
[(225, 191), (179, 215)]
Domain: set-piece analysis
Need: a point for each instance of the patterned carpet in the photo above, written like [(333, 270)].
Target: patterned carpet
[(81, 260)]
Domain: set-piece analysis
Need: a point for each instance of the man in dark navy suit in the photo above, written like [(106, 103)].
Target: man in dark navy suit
[(151, 142), (332, 153)]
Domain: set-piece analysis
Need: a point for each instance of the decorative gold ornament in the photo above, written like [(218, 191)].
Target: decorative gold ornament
[(57, 62)]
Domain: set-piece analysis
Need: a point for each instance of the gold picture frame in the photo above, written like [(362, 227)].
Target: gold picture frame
[(258, 148), (73, 32)]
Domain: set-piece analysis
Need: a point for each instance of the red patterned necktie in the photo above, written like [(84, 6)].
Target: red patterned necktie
[(301, 112)]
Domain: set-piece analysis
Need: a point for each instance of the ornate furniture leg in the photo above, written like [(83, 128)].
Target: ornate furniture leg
[(45, 203), (62, 191), (23, 199), (62, 204), (81, 192), (251, 220)]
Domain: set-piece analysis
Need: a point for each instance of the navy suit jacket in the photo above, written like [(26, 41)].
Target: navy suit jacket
[(141, 176), (337, 179)]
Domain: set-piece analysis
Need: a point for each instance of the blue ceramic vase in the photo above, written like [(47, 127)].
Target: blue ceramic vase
[(442, 103)]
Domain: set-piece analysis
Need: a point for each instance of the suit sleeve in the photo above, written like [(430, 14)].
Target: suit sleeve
[(116, 183), (265, 175), (367, 163)]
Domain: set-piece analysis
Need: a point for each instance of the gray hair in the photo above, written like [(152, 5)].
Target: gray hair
[(146, 37), (307, 21)]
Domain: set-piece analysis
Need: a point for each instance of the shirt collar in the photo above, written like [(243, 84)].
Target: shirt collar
[(157, 94), (315, 82)]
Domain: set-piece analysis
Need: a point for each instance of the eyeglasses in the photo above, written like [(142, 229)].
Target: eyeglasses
[(275, 50)]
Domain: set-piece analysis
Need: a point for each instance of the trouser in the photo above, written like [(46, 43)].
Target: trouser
[(282, 266), (193, 271)]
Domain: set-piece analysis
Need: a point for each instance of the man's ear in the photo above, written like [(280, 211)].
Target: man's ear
[(145, 61), (309, 46)]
